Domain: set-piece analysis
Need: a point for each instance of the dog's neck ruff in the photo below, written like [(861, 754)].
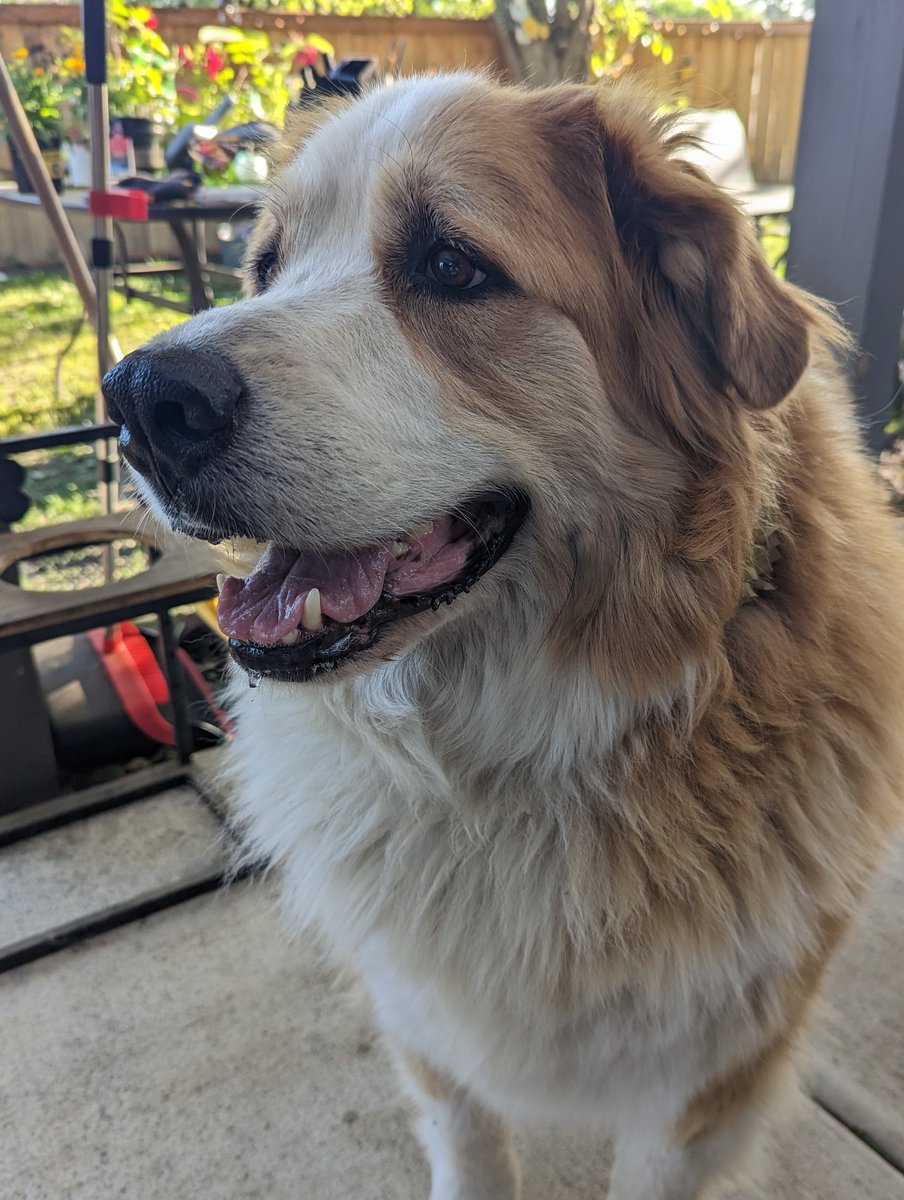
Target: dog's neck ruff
[(759, 572)]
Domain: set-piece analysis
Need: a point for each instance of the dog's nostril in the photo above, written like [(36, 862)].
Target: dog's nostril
[(170, 418)]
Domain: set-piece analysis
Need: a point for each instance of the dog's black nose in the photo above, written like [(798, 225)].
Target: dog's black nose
[(177, 407)]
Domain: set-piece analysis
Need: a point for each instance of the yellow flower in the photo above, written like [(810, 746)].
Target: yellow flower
[(536, 30), (22, 52), (74, 64)]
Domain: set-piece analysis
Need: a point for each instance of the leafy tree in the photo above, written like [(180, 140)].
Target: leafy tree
[(546, 41)]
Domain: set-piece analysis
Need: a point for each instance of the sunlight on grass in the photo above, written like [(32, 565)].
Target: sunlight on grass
[(82, 567), (61, 485), (39, 313)]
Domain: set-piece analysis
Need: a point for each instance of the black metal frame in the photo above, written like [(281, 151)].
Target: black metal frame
[(15, 659), (193, 265), (16, 674), (154, 901), (18, 683), (90, 802), (197, 883), (66, 435)]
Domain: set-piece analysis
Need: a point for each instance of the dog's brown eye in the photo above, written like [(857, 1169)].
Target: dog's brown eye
[(453, 269)]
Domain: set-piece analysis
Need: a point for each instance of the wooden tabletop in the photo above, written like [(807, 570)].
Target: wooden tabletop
[(213, 203), (184, 571)]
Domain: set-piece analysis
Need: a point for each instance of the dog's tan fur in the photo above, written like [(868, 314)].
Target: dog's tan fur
[(591, 834)]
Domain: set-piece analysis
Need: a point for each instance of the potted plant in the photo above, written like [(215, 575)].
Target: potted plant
[(41, 93), (256, 78), (141, 83), (70, 70)]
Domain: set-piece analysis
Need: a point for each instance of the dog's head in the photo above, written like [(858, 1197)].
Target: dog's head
[(493, 339)]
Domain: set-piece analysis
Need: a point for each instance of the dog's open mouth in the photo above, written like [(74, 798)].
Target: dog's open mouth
[(303, 612)]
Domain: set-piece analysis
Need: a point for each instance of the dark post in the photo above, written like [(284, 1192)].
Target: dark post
[(847, 227)]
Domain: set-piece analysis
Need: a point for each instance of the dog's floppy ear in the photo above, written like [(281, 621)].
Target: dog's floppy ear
[(702, 274)]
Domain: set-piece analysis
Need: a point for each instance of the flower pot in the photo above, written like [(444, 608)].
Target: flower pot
[(147, 138), (78, 164), (53, 160)]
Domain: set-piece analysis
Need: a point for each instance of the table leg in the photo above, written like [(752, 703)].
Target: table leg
[(29, 772), (175, 677), (122, 259), (194, 256)]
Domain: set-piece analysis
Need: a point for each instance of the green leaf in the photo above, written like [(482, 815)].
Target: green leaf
[(208, 34), (320, 44)]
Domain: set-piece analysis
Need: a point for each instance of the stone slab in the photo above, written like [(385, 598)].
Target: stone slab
[(198, 1054), (861, 1033)]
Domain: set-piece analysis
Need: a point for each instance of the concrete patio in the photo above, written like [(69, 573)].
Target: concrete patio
[(197, 1054)]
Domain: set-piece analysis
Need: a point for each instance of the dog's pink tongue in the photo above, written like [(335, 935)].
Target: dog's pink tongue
[(268, 604)]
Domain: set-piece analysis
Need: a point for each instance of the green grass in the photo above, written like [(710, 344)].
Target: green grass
[(39, 313), (48, 377)]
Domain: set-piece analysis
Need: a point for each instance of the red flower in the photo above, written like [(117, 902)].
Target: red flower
[(214, 62), (307, 56), (184, 54), (152, 22)]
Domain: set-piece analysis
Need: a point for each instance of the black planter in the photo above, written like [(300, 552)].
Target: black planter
[(53, 160), (147, 138)]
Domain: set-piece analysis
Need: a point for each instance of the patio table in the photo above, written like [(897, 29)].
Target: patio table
[(186, 218)]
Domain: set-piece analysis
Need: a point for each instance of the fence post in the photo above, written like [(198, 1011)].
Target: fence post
[(847, 232)]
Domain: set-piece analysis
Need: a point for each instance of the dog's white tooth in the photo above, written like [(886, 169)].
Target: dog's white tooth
[(399, 549), (421, 531), (311, 616), (290, 638), (221, 579)]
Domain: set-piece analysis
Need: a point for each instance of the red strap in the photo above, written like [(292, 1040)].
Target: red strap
[(122, 204), (191, 670), (136, 678)]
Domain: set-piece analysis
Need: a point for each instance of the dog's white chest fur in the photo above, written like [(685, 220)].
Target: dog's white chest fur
[(457, 920)]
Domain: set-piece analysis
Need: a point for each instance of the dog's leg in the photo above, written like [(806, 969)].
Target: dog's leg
[(661, 1170), (469, 1149), (711, 1143)]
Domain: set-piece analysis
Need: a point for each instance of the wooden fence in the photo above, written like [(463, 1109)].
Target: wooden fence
[(757, 71), (421, 43)]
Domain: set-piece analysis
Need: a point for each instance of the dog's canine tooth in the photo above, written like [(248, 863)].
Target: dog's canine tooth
[(421, 531), (290, 638), (221, 579), (399, 549), (311, 617)]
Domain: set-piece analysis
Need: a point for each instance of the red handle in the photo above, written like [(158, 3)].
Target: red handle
[(122, 204)]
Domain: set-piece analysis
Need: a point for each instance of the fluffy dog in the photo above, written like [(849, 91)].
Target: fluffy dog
[(577, 630)]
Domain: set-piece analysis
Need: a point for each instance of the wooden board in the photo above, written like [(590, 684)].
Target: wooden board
[(184, 571)]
